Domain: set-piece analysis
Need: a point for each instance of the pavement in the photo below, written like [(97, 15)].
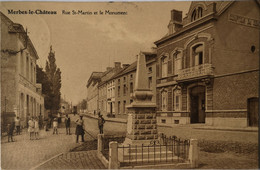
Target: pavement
[(56, 151), (25, 153)]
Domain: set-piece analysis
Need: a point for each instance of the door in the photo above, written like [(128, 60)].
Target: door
[(252, 111), (194, 109)]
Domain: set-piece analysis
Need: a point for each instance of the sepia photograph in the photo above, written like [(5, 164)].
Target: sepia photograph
[(129, 85)]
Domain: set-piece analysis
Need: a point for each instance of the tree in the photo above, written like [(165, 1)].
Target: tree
[(84, 104), (41, 77), (54, 77)]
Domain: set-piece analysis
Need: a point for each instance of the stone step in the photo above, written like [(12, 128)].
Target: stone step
[(145, 155), (140, 149), (151, 160)]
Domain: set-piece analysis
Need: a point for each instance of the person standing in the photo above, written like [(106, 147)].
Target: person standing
[(80, 129), (10, 130), (36, 128), (101, 122), (18, 125), (31, 127), (55, 126), (67, 124)]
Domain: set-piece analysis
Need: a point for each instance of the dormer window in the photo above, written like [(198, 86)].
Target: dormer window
[(196, 14)]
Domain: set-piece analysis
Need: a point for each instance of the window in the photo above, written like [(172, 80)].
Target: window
[(124, 89), (164, 100), (27, 67), (131, 101), (196, 14), (150, 69), (177, 62), (131, 87), (131, 76), (164, 66), (150, 82), (177, 100), (197, 53), (124, 79), (118, 107), (124, 104), (118, 92), (118, 81), (163, 120)]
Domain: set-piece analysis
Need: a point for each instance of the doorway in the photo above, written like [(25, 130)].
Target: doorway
[(197, 104), (252, 109)]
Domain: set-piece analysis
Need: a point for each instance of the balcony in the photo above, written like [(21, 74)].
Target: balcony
[(198, 71)]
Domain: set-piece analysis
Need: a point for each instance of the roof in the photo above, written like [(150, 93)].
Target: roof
[(220, 7), (95, 76), (18, 28)]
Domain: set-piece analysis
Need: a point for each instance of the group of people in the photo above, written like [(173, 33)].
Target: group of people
[(33, 128)]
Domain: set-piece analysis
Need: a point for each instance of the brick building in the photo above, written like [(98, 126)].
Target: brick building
[(20, 94), (208, 65), (97, 89), (125, 80)]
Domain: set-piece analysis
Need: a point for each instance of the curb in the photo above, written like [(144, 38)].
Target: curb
[(108, 120), (40, 164)]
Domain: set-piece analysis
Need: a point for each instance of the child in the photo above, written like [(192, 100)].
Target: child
[(55, 126)]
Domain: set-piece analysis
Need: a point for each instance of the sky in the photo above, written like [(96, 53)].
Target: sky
[(87, 43)]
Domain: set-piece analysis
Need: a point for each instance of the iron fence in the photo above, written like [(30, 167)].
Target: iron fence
[(163, 150)]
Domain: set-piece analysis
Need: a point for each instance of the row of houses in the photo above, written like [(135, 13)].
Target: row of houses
[(20, 94), (205, 70)]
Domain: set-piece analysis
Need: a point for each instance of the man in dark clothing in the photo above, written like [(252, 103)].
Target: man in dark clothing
[(80, 129), (101, 122), (67, 124), (10, 130)]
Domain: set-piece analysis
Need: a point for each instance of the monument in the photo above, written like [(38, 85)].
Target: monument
[(141, 122)]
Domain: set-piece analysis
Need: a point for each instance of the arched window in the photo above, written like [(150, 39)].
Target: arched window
[(196, 14), (164, 63), (177, 58), (198, 54), (193, 16), (199, 12), (164, 100)]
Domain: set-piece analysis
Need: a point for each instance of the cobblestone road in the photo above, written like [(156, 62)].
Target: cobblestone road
[(75, 160), (25, 153)]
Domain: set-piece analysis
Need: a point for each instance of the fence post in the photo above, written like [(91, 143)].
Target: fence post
[(100, 147), (113, 155), (194, 153)]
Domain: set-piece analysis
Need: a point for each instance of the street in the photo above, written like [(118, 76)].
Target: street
[(34, 152)]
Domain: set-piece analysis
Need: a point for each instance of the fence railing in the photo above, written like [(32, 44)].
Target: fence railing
[(163, 150), (167, 150)]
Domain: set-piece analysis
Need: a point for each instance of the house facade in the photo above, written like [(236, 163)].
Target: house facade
[(208, 65), (20, 94), (125, 82)]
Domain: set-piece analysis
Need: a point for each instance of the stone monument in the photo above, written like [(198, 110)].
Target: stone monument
[(141, 122)]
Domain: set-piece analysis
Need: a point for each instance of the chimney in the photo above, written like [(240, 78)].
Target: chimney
[(109, 68), (175, 22), (125, 65), (117, 65)]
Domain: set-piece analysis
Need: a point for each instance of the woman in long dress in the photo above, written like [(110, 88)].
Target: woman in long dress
[(31, 128), (36, 128)]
